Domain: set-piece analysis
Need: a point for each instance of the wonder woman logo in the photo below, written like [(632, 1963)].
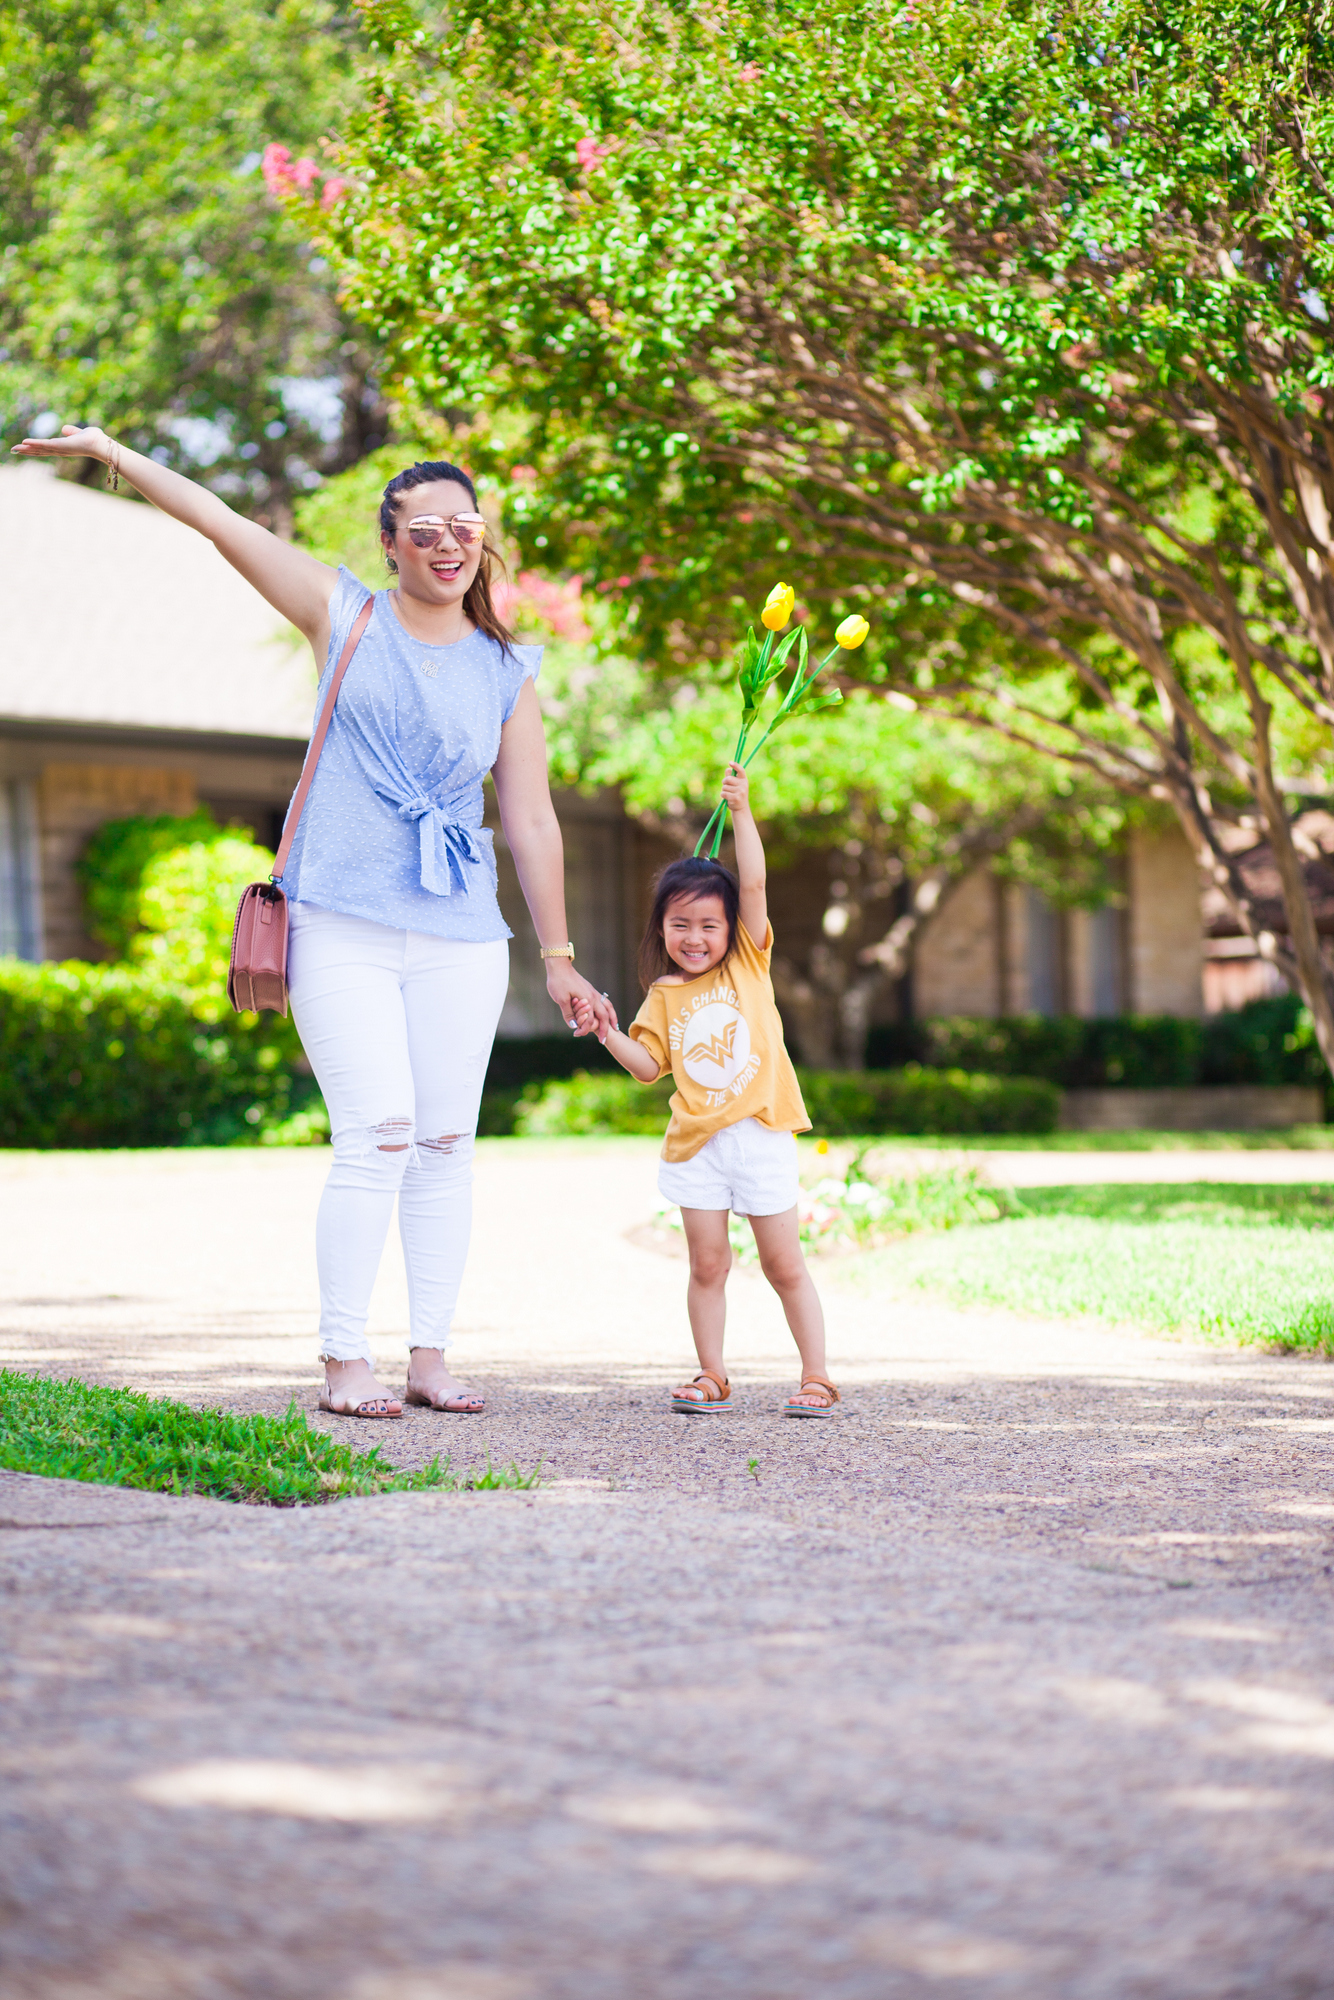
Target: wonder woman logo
[(718, 1049)]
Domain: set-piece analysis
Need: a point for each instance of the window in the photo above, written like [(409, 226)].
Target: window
[(20, 927), (1046, 983), (1106, 961)]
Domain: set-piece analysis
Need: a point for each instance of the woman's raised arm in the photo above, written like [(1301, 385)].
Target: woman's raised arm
[(293, 582)]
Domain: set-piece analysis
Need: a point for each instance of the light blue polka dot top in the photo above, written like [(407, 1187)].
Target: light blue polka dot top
[(392, 829)]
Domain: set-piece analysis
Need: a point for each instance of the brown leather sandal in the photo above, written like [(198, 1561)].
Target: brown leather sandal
[(824, 1409), (713, 1396)]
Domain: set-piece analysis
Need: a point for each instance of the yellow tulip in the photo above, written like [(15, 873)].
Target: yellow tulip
[(778, 607), (851, 632)]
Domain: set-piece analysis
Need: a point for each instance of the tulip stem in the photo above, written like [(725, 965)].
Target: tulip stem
[(794, 694), (717, 822), (699, 845)]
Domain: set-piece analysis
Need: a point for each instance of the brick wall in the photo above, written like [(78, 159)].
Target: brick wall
[(73, 800), (1165, 939), (958, 965)]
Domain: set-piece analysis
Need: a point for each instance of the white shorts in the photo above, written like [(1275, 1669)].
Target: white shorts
[(746, 1167)]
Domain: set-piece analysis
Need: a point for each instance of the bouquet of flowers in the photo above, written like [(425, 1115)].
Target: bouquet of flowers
[(762, 661)]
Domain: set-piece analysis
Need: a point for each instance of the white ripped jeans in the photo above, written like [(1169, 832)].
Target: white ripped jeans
[(398, 1027)]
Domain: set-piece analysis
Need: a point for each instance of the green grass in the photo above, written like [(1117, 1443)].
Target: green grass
[(1252, 1264), (1287, 1138), (115, 1437)]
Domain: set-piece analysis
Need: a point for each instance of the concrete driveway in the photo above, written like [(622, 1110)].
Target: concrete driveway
[(1016, 1680)]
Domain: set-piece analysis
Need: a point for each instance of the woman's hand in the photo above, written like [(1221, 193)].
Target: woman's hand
[(294, 583), (583, 1008), (89, 442)]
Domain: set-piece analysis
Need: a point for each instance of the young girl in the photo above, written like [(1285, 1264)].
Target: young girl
[(710, 1018)]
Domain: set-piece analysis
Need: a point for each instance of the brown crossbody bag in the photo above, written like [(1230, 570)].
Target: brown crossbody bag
[(257, 975)]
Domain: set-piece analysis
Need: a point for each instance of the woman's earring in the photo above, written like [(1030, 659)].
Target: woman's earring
[(390, 564)]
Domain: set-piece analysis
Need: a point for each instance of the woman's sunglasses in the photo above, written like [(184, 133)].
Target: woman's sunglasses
[(427, 530)]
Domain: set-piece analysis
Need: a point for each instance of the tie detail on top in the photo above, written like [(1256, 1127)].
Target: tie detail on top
[(445, 847)]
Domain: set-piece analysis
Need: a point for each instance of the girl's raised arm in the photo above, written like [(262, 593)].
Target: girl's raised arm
[(293, 582), (754, 910)]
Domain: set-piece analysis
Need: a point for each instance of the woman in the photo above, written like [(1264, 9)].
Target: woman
[(399, 959)]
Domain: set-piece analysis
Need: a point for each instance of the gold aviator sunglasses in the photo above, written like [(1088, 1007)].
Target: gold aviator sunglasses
[(425, 531)]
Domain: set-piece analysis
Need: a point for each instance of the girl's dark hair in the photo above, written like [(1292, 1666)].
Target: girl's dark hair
[(694, 878), (477, 602)]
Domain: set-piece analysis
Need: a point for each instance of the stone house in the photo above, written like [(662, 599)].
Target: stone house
[(139, 674)]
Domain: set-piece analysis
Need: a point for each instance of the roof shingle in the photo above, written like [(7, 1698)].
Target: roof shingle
[(120, 616)]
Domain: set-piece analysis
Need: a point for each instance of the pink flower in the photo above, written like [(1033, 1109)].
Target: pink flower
[(305, 173), (558, 603), (333, 188), (749, 73), (589, 153), (525, 474), (276, 167)]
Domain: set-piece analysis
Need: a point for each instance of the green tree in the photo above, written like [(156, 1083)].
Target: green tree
[(1007, 323), (153, 283), (905, 803)]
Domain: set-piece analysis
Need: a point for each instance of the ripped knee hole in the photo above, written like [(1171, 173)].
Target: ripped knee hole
[(447, 1143)]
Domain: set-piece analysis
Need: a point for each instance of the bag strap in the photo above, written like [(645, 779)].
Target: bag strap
[(316, 743)]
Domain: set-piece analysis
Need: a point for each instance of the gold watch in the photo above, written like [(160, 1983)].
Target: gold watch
[(558, 951)]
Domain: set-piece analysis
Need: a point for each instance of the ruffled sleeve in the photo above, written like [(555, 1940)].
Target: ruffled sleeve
[(522, 663)]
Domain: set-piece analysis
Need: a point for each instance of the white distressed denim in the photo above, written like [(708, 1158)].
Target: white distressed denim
[(398, 1027)]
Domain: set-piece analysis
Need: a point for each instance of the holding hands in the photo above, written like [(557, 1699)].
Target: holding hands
[(582, 1007)]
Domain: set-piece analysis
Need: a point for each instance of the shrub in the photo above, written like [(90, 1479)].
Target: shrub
[(110, 870), (110, 1055), (520, 1061), (920, 1101), (187, 908), (148, 1052), (585, 1104), (1268, 1041), (525, 1059), (913, 1100)]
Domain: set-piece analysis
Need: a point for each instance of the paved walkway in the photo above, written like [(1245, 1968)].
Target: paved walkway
[(1015, 1681)]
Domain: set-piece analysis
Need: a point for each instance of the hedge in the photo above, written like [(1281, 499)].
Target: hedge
[(918, 1100), (584, 1103), (107, 1055), (912, 1100), (112, 1055), (1269, 1041)]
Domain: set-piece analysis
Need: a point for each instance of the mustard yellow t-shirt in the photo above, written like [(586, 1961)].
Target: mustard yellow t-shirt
[(722, 1039)]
